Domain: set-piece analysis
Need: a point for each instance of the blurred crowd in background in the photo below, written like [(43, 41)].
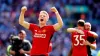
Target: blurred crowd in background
[(70, 11)]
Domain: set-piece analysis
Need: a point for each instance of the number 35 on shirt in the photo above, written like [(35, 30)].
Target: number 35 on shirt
[(79, 40)]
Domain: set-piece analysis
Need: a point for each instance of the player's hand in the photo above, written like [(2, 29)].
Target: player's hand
[(12, 52), (86, 43), (24, 8), (21, 51), (53, 9), (80, 31)]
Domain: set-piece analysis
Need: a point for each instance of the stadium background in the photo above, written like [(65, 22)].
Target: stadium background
[(70, 11)]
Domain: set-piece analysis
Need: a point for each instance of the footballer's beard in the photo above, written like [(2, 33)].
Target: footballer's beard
[(88, 29)]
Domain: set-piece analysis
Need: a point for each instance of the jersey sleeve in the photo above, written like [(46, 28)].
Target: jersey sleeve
[(90, 34), (51, 28), (94, 42), (32, 26)]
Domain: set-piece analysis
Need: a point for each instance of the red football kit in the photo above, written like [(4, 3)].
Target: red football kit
[(77, 41), (50, 47), (41, 39)]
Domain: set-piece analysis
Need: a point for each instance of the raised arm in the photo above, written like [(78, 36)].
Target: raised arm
[(70, 30), (21, 18), (58, 25)]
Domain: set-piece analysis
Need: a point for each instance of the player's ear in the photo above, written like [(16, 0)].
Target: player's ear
[(38, 19), (47, 19)]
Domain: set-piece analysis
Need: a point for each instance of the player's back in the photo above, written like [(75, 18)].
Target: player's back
[(79, 49)]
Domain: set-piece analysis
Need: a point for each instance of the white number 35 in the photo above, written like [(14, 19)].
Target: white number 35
[(79, 38)]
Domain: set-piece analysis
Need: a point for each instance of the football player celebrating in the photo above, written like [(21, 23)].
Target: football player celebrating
[(79, 36), (91, 42), (41, 33)]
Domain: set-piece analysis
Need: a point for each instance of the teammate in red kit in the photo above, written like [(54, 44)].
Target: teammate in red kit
[(50, 47), (41, 33), (91, 42), (79, 36)]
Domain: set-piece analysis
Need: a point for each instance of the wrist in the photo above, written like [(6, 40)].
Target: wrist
[(76, 30), (56, 12), (89, 44), (22, 12), (24, 51)]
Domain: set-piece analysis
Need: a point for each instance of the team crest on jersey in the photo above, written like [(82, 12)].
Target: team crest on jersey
[(35, 30), (44, 31)]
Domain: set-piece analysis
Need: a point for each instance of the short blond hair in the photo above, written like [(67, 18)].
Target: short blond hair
[(45, 13)]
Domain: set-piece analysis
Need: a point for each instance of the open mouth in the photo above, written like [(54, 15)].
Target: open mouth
[(41, 20)]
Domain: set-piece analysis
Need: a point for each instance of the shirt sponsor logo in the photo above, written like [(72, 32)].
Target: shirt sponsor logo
[(39, 35)]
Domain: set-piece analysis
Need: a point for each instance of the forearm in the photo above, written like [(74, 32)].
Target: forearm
[(94, 34), (21, 18), (93, 46), (12, 52), (27, 52), (70, 30), (58, 25), (59, 19)]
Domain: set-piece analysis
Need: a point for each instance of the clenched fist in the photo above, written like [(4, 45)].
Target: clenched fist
[(53, 9), (24, 8), (21, 51)]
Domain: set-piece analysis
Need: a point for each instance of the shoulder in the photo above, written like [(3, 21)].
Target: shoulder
[(31, 24), (85, 30), (26, 41), (49, 26), (9, 46)]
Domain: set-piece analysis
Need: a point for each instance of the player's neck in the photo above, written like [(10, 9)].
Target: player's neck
[(81, 28), (42, 25)]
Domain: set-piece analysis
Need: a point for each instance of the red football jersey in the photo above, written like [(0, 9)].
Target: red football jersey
[(77, 41), (94, 42), (41, 39), (50, 47)]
